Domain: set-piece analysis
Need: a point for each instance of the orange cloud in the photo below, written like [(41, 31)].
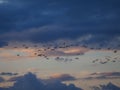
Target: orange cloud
[(74, 50)]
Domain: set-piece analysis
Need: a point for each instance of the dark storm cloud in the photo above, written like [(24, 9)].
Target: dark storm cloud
[(30, 82), (61, 18), (3, 43)]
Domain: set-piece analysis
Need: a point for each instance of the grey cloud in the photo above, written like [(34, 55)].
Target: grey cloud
[(1, 79), (104, 75), (8, 74), (30, 82), (62, 77), (3, 43), (109, 86)]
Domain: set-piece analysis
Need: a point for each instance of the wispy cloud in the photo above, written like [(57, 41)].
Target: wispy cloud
[(8, 74), (104, 75), (61, 77)]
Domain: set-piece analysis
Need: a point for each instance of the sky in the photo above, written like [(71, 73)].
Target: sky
[(67, 40)]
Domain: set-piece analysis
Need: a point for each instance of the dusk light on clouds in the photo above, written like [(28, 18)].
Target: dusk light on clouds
[(59, 44)]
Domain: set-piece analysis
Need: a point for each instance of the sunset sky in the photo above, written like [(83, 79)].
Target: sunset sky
[(75, 41)]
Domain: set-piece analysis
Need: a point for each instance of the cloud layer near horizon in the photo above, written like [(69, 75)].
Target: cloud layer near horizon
[(29, 81), (103, 76)]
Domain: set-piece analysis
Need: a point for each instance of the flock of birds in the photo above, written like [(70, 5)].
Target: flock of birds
[(43, 49), (41, 52), (106, 60)]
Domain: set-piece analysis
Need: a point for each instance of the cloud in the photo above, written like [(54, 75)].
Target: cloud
[(1, 79), (68, 51), (76, 50), (8, 74), (14, 79), (62, 77), (109, 86), (11, 52), (29, 81), (52, 78), (104, 75), (46, 21), (3, 43), (107, 73)]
